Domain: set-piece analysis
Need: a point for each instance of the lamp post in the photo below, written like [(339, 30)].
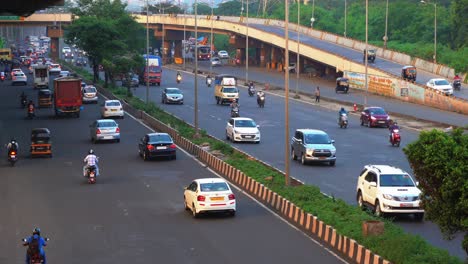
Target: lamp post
[(147, 52), (312, 20), (211, 38), (196, 74), (286, 94), (385, 37), (435, 29), (183, 41), (365, 53), (298, 43), (247, 44), (345, 13)]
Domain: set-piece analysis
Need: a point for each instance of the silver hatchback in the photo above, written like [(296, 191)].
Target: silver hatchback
[(104, 129)]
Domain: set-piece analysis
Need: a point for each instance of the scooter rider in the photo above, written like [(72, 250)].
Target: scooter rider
[(12, 145), (33, 241), (90, 160), (341, 112), (393, 126), (31, 108), (178, 77), (208, 79), (456, 78)]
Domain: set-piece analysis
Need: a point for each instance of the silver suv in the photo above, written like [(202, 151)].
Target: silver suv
[(313, 145), (387, 189)]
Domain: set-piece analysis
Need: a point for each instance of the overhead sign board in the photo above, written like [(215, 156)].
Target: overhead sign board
[(11, 18)]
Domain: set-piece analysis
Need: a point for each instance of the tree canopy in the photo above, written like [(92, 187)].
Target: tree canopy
[(440, 164)]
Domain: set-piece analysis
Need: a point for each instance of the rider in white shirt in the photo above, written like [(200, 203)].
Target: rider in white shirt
[(91, 160)]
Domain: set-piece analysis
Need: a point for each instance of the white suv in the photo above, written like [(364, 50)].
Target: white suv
[(388, 189)]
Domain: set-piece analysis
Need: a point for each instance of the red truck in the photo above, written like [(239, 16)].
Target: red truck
[(67, 96), (155, 70)]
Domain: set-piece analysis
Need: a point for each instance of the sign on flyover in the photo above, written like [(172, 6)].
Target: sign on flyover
[(11, 18)]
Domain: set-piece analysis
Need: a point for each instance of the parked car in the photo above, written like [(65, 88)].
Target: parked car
[(172, 95), (209, 195), (242, 129), (215, 61), (112, 108), (387, 189), (374, 116), (55, 68), (223, 54), (104, 129), (440, 85), (313, 145), (90, 94), (154, 145), (19, 78)]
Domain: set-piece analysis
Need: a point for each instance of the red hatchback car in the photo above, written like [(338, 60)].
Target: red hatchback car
[(374, 116)]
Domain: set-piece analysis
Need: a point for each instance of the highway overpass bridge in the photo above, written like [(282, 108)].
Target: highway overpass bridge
[(316, 47)]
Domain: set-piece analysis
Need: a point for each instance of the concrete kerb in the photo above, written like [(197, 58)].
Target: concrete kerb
[(290, 212)]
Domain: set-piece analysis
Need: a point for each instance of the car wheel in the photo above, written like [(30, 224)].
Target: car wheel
[(227, 136), (162, 100), (293, 155), (369, 125), (332, 163), (419, 216), (303, 159), (145, 156), (378, 211), (117, 140), (93, 140), (174, 157), (185, 205), (194, 211), (360, 201), (232, 213), (362, 122)]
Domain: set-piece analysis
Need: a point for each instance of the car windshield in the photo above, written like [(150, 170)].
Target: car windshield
[(230, 90), (245, 123), (441, 82), (214, 187), (173, 91), (113, 103), (316, 139), (160, 138), (377, 111), (107, 124), (392, 180), (89, 90)]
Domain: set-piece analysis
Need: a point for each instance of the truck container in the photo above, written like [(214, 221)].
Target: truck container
[(67, 96), (41, 76)]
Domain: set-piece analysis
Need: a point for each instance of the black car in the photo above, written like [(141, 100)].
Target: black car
[(154, 145)]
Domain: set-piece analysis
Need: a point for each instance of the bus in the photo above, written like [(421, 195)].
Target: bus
[(203, 52), (5, 54)]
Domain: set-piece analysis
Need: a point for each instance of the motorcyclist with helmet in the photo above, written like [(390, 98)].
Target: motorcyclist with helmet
[(90, 160), (393, 126), (12, 145), (32, 242), (178, 77)]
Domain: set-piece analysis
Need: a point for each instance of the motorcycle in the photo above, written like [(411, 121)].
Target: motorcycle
[(457, 85), (251, 91), (235, 112), (31, 114), (261, 101), (395, 138), (12, 157), (91, 174), (34, 257), (24, 102), (2, 78), (179, 78), (208, 82), (343, 121)]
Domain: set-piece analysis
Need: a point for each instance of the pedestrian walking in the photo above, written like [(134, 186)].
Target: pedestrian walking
[(317, 95)]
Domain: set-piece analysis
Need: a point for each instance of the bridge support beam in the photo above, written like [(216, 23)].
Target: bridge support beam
[(54, 33)]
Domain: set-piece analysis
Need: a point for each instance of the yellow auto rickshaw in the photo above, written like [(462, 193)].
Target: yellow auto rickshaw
[(44, 98), (40, 142)]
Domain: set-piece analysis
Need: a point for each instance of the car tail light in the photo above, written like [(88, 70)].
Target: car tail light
[(98, 131), (173, 146), (201, 198), (232, 196), (150, 147), (117, 130)]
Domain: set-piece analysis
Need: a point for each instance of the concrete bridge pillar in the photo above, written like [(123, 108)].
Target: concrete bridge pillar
[(178, 49), (240, 54)]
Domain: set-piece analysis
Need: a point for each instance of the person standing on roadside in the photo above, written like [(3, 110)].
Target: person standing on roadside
[(317, 95)]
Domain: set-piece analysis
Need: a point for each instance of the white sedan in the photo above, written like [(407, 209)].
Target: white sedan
[(112, 108), (440, 85), (55, 68), (209, 195), (242, 129), (223, 54)]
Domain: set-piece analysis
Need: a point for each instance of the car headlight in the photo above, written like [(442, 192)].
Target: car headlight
[(387, 196), (373, 118), (310, 151), (388, 117), (236, 131), (333, 151)]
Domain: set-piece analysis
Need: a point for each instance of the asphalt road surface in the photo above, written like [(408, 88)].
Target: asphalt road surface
[(356, 146), (134, 214)]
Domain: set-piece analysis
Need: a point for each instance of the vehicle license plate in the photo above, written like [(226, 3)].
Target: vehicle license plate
[(161, 147), (113, 110), (217, 198), (406, 205), (381, 121), (13, 156), (108, 137)]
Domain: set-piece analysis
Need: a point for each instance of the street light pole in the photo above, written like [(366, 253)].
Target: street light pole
[(196, 74), (286, 94), (312, 20), (183, 41), (345, 9), (435, 29), (365, 54), (298, 43), (385, 38), (147, 52), (247, 44), (211, 38)]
